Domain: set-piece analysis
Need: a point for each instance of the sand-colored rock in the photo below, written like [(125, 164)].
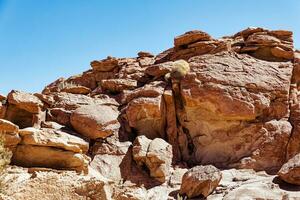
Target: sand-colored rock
[(53, 138), (191, 37), (290, 171), (136, 125), (95, 121), (77, 89), (9, 132), (25, 101), (200, 181), (118, 85), (155, 154), (105, 65)]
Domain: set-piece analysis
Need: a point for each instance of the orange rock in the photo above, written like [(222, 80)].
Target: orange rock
[(76, 89), (105, 65), (191, 37), (281, 53), (290, 171)]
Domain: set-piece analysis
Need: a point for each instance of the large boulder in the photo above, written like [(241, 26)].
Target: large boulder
[(24, 109), (145, 110), (200, 181), (290, 171), (230, 105), (52, 149), (25, 101), (56, 138), (155, 154), (95, 121)]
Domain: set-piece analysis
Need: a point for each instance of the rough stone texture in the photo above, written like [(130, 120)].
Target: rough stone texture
[(53, 138), (105, 65), (200, 181), (233, 103), (230, 102), (290, 171), (76, 90), (25, 101), (10, 133), (51, 148), (294, 144), (248, 184), (118, 85), (191, 37), (24, 109), (264, 44), (155, 154), (2, 110), (95, 121), (30, 184), (34, 156)]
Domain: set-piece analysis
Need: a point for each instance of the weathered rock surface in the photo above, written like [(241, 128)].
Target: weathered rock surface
[(155, 154), (105, 65), (118, 85), (136, 125), (248, 184), (53, 138), (51, 148), (200, 181), (290, 171), (35, 156), (76, 89), (95, 121), (24, 109), (9, 131)]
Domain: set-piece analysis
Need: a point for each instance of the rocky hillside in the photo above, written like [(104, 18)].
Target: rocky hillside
[(207, 118)]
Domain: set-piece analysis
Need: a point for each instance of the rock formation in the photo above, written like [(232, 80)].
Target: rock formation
[(130, 128)]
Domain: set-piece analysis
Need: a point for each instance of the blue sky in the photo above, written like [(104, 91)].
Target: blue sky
[(42, 40)]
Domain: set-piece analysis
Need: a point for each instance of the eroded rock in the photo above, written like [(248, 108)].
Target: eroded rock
[(155, 154), (200, 181), (290, 171), (95, 121)]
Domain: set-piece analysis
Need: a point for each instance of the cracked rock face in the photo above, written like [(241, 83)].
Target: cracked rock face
[(155, 154), (136, 125)]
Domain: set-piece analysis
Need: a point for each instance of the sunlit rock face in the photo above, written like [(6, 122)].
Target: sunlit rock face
[(135, 128)]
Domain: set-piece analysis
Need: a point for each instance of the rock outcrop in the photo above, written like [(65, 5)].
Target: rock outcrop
[(135, 126)]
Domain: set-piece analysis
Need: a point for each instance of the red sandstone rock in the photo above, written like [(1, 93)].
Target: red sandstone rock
[(191, 37), (105, 65)]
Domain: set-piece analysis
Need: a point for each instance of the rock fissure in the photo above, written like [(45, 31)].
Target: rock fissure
[(136, 125)]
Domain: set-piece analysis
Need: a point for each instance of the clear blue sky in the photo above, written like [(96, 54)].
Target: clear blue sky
[(42, 40)]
